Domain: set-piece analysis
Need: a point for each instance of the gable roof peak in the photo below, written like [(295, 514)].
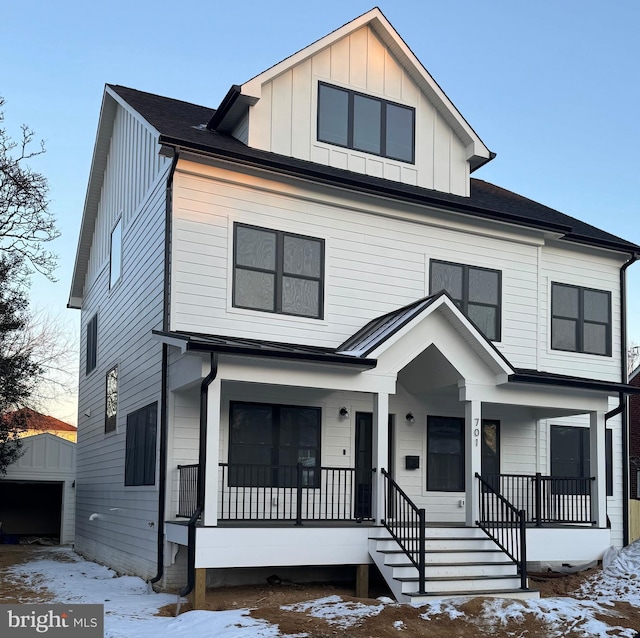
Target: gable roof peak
[(247, 94)]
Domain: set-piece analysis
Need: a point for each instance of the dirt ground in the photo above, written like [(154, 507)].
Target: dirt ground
[(266, 601)]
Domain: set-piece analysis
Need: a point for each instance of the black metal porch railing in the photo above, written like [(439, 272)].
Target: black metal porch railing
[(283, 493), (187, 490), (547, 499), (406, 524), (293, 493), (505, 525)]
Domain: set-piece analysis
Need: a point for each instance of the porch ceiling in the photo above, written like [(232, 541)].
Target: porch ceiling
[(429, 371)]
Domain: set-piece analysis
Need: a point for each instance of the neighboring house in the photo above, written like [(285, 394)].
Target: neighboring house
[(37, 423), (634, 436), (301, 318)]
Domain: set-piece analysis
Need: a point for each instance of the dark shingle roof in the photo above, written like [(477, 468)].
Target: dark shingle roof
[(184, 124)]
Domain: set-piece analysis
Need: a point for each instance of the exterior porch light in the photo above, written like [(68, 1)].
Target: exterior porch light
[(344, 413), (410, 418)]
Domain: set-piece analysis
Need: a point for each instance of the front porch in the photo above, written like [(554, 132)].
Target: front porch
[(419, 560), (320, 447)]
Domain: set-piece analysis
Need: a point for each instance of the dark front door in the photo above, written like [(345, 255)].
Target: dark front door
[(364, 464)]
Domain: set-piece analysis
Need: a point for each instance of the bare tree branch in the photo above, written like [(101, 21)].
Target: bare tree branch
[(26, 225)]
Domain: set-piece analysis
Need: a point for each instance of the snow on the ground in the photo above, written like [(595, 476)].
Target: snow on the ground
[(130, 606), (336, 611)]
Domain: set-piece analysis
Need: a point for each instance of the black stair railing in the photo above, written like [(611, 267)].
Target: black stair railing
[(504, 524), (406, 524)]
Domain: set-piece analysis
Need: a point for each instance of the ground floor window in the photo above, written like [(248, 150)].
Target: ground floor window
[(445, 454), (570, 456), (266, 443), (140, 447)]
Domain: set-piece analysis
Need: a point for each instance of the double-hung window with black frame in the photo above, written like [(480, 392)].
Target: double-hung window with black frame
[(277, 271), (365, 123), (476, 291), (267, 442), (140, 446), (580, 319)]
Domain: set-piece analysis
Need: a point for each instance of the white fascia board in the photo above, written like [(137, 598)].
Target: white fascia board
[(467, 330), (376, 20)]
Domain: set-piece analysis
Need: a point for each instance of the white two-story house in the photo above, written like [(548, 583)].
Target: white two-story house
[(311, 339)]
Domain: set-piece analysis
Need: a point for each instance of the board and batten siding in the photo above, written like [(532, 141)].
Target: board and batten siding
[(117, 524), (133, 165), (284, 120)]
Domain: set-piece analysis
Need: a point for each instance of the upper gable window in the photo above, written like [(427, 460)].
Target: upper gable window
[(278, 272), (476, 291), (365, 123), (115, 254), (580, 319)]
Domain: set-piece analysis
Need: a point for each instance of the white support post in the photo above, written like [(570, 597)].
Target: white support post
[(598, 468), (214, 392), (380, 450), (473, 459)]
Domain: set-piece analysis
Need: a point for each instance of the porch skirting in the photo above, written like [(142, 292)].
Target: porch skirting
[(221, 547)]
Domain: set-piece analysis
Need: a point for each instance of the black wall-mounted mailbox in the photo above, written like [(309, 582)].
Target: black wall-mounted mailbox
[(411, 462)]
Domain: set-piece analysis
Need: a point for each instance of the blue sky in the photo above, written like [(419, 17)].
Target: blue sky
[(551, 87)]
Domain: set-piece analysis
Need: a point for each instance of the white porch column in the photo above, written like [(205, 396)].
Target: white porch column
[(213, 453), (598, 468), (473, 458), (380, 450)]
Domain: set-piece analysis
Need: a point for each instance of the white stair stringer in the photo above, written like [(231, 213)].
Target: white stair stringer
[(460, 561)]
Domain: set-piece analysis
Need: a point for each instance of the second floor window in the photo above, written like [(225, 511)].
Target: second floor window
[(476, 291), (365, 123), (580, 319), (279, 272)]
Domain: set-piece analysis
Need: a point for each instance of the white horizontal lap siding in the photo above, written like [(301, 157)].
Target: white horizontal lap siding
[(373, 263), (519, 447), (184, 438), (117, 524), (284, 120), (568, 265)]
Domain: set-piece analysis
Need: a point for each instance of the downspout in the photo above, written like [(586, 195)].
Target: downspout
[(622, 400), (202, 460), (164, 391)]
